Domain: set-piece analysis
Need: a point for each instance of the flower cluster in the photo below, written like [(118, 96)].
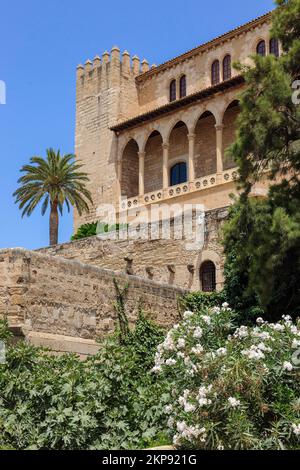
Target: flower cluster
[(224, 378)]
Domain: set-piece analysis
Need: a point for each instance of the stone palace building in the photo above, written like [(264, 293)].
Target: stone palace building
[(159, 134), (146, 136)]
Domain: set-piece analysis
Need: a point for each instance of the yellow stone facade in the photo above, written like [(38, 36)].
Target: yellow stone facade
[(129, 135)]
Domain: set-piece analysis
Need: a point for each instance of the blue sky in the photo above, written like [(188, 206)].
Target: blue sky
[(41, 44)]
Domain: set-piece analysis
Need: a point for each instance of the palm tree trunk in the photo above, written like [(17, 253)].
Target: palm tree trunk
[(53, 225)]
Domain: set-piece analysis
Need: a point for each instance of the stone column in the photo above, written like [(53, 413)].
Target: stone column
[(219, 131), (165, 165), (119, 178), (141, 173), (191, 138)]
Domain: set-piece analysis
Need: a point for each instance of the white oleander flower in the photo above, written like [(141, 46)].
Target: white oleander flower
[(260, 321), (168, 409), (277, 327), (220, 447), (296, 429), (287, 366), (206, 319), (216, 310), (287, 318), (170, 423), (221, 352), (296, 344), (233, 402), (241, 332), (263, 347), (181, 426), (189, 408), (264, 335), (180, 355), (198, 333), (253, 353), (187, 315), (171, 362), (181, 343), (204, 402), (197, 350), (156, 369)]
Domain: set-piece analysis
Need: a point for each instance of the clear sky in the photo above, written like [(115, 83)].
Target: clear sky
[(41, 44)]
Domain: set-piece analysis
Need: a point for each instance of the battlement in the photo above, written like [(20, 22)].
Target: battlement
[(128, 65)]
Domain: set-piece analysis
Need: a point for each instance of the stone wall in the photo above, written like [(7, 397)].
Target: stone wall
[(174, 262), (70, 304)]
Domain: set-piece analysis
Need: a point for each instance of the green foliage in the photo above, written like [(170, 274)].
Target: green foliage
[(198, 300), (54, 181), (262, 247), (96, 228), (233, 389), (85, 231), (109, 401), (262, 238), (5, 334)]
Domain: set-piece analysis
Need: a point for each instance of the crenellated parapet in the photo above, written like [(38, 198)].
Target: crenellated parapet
[(128, 65)]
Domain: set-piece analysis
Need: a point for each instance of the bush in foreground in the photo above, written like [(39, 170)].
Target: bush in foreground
[(109, 401), (232, 388)]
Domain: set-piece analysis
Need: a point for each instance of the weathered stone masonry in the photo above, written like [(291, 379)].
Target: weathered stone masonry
[(171, 261), (58, 301)]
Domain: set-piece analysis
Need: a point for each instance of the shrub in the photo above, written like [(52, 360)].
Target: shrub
[(232, 388), (96, 228), (109, 401), (85, 231), (198, 300)]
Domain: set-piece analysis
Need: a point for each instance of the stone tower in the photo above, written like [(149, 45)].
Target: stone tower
[(106, 94)]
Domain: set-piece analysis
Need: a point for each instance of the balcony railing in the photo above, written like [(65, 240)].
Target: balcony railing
[(199, 184)]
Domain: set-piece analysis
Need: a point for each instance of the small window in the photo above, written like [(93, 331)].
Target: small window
[(208, 277), (173, 90), (215, 72), (183, 86), (261, 48), (227, 67), (274, 47), (178, 174)]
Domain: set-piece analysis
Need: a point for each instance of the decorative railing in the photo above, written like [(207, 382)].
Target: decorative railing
[(199, 184)]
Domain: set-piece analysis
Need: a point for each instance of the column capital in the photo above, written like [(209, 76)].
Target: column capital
[(142, 154), (219, 127), (166, 145), (191, 136)]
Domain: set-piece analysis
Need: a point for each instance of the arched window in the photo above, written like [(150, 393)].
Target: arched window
[(261, 48), (173, 90), (208, 277), (274, 47), (215, 73), (182, 86), (178, 174), (227, 67)]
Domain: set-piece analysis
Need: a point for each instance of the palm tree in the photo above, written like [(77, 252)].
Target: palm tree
[(55, 181)]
